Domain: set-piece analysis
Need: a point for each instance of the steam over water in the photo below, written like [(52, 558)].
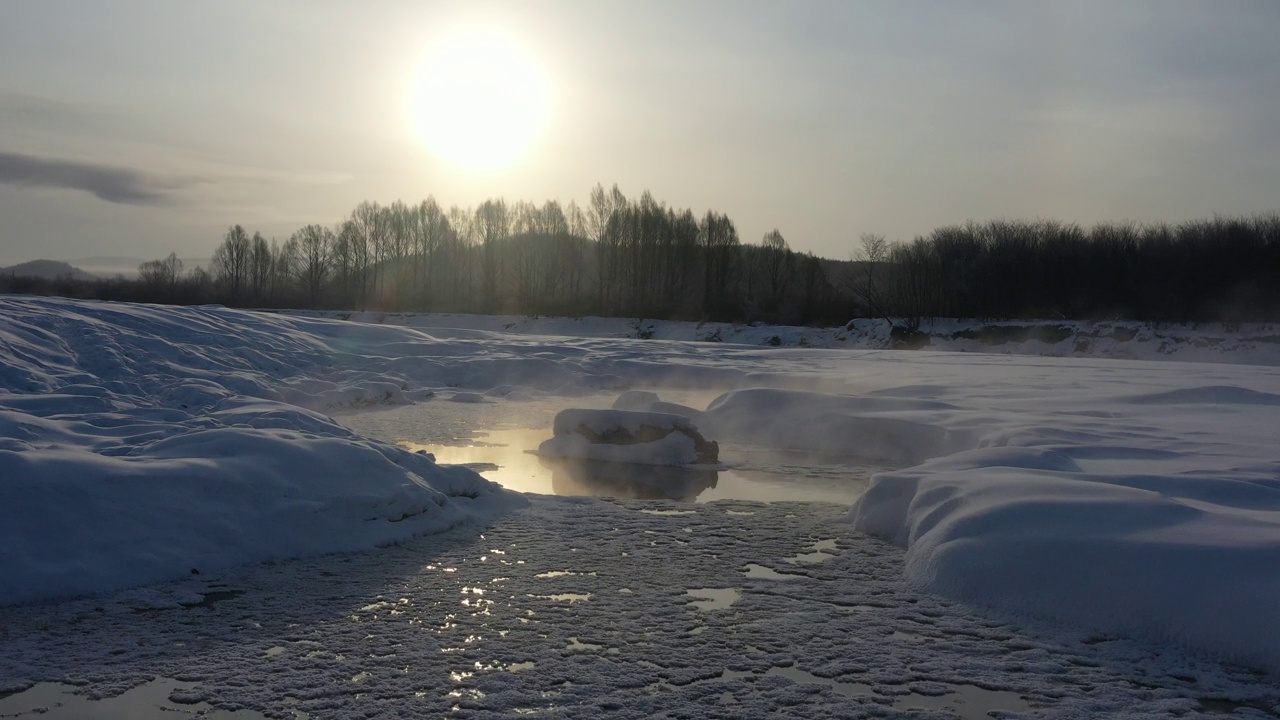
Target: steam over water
[(499, 442)]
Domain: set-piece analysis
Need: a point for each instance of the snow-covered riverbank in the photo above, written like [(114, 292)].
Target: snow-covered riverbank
[(1247, 343), (1123, 497)]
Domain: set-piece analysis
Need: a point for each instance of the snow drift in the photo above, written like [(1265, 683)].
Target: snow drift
[(1125, 537), (141, 443)]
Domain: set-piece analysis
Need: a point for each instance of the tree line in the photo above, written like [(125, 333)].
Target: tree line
[(616, 257), (1222, 269), (638, 257)]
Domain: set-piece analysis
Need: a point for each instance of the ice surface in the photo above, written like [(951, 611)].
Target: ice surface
[(471, 619)]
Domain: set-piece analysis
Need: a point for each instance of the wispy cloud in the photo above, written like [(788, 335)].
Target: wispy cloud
[(111, 183)]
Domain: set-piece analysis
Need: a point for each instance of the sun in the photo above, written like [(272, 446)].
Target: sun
[(479, 100)]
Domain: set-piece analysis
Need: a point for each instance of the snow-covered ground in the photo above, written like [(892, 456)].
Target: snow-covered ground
[(1127, 513), (1247, 343)]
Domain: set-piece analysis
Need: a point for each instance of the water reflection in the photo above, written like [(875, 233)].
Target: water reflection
[(624, 480), (507, 457)]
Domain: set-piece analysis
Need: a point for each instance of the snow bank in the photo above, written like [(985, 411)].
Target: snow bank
[(1257, 344), (140, 443), (1124, 538), (627, 436)]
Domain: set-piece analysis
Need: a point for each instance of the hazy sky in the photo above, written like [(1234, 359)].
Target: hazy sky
[(131, 127)]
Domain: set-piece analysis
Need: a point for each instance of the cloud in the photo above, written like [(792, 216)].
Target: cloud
[(111, 183)]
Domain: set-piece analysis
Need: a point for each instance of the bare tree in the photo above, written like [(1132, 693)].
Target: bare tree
[(869, 287), (602, 224), (429, 230), (493, 225), (315, 260), (778, 265), (285, 261), (366, 239), (458, 243), (161, 276), (259, 267), (720, 245), (231, 263)]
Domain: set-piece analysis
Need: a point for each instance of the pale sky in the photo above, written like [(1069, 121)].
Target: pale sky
[(137, 127)]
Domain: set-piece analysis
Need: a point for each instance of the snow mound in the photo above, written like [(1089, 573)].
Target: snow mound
[(142, 443), (1189, 557), (628, 436)]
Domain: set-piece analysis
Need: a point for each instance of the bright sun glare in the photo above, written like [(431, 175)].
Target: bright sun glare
[(480, 99)]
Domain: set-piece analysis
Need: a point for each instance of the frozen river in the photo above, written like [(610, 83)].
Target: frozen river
[(1059, 538)]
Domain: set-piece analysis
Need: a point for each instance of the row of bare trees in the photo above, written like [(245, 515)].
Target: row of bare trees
[(617, 257)]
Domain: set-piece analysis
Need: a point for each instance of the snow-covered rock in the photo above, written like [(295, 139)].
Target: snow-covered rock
[(628, 436)]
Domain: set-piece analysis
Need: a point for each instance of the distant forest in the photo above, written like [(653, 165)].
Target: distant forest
[(639, 258)]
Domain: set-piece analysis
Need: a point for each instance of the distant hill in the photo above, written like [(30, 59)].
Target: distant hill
[(46, 270), (110, 267)]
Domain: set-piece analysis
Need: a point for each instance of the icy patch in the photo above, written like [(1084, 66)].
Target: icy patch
[(565, 597), (760, 572), (713, 598)]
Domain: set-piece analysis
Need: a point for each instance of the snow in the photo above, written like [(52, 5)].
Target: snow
[(1189, 557), (139, 444), (1115, 498), (1245, 343)]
